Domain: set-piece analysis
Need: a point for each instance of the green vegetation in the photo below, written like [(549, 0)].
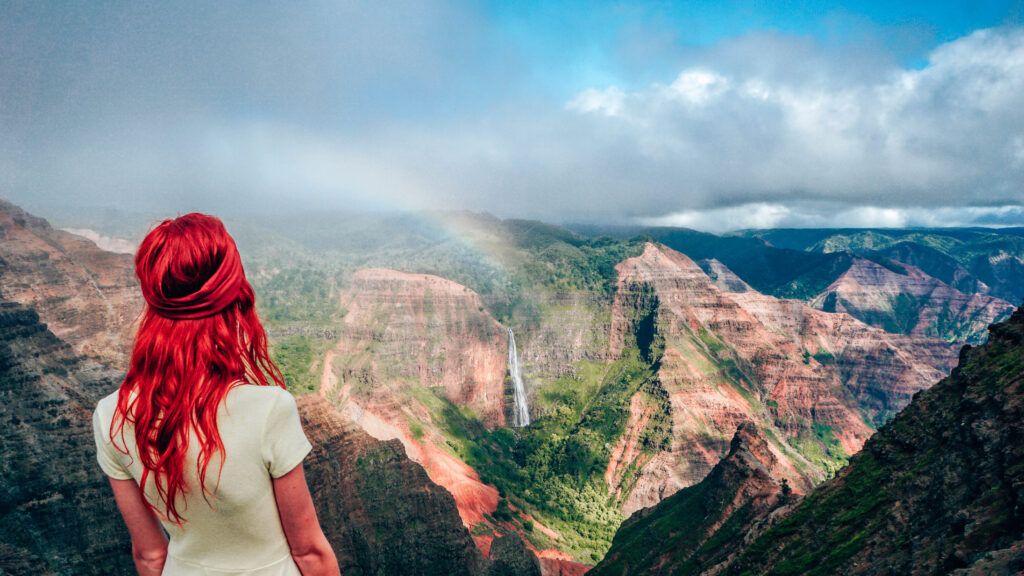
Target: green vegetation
[(963, 258), (903, 318), (554, 468), (821, 448), (298, 294), (851, 524), (297, 357)]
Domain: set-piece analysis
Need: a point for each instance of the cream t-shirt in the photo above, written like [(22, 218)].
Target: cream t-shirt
[(239, 531)]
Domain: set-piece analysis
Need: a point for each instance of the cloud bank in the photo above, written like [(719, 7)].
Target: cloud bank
[(397, 108)]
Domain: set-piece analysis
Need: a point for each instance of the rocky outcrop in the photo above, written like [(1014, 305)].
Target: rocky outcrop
[(815, 381), (380, 511), (702, 526), (57, 513), (87, 296), (510, 557), (901, 298), (938, 490)]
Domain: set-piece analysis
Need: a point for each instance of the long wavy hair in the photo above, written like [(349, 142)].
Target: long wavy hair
[(198, 336)]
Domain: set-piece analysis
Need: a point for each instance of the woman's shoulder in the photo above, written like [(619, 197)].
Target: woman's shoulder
[(256, 395), (106, 407)]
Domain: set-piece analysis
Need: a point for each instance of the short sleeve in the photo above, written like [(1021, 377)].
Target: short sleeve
[(284, 443), (106, 454)]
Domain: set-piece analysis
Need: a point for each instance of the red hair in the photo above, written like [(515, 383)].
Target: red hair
[(199, 335)]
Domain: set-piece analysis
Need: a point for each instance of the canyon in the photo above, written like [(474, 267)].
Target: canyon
[(937, 490), (414, 347), (901, 298), (639, 364)]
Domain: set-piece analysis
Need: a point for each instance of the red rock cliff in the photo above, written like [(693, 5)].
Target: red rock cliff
[(409, 342), (85, 295), (745, 357)]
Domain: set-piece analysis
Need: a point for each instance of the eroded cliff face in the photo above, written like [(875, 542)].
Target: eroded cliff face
[(410, 345), (906, 300), (701, 528), (57, 513), (424, 331), (87, 296), (814, 381), (938, 490), (380, 510)]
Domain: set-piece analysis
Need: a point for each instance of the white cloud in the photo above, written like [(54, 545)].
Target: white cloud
[(698, 86), (871, 217), (946, 134), (608, 102), (831, 215), (757, 215)]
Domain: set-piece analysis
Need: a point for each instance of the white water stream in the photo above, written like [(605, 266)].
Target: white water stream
[(520, 410)]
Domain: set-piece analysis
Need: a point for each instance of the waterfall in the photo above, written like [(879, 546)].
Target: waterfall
[(520, 411)]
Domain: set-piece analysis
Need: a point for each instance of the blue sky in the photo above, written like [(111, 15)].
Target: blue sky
[(713, 115), (578, 44)]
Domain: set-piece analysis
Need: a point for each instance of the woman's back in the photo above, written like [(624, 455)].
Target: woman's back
[(239, 529)]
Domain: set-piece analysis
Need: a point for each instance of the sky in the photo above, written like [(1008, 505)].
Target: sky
[(710, 115)]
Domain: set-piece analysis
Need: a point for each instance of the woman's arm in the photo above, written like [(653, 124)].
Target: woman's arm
[(309, 546), (149, 543)]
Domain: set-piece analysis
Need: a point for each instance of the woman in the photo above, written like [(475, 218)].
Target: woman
[(215, 445)]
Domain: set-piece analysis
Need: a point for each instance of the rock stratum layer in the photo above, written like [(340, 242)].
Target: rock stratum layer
[(703, 526), (805, 376), (938, 490), (424, 331), (901, 298), (410, 344), (87, 296)]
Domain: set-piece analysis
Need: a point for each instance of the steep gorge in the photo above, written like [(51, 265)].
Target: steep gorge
[(816, 382), (683, 364), (938, 490)]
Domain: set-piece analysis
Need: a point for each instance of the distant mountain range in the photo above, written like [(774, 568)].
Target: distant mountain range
[(949, 284)]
